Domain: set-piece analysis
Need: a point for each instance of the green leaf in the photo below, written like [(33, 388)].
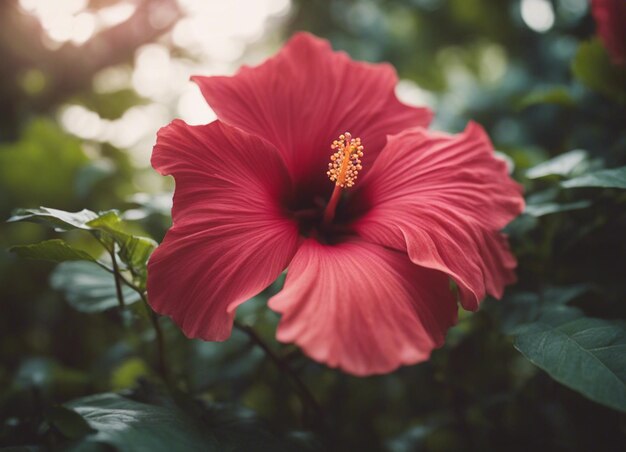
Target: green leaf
[(558, 95), (57, 219), (134, 250), (592, 66), (39, 167), (127, 373), (128, 425), (608, 178), (415, 438), (55, 250), (91, 174), (585, 354), (561, 165), (518, 309), (539, 210), (107, 226), (71, 424), (564, 294), (88, 287)]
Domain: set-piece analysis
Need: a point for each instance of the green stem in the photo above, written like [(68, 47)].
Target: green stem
[(117, 276), (119, 279), (160, 339), (303, 392)]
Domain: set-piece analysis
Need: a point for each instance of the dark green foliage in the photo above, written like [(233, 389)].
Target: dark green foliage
[(586, 354), (611, 178), (88, 288), (51, 250), (163, 425)]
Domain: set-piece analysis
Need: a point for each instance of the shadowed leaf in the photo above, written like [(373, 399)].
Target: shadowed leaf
[(586, 354), (609, 178), (55, 250), (87, 287)]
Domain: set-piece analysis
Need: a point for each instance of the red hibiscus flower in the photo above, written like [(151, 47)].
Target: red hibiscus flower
[(610, 16), (369, 261)]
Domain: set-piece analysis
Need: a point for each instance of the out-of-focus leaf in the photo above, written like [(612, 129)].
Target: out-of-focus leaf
[(561, 165), (592, 66), (54, 218), (39, 168), (34, 372), (88, 287), (71, 424), (585, 354), (47, 375), (126, 375), (564, 294), (559, 95), (414, 439), (212, 362), (521, 226), (160, 203), (520, 308), (55, 250), (539, 210), (517, 309), (92, 173), (609, 178)]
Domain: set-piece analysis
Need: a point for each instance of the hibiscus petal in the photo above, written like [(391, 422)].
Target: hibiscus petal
[(610, 16), (230, 239), (363, 308), (444, 198), (305, 96)]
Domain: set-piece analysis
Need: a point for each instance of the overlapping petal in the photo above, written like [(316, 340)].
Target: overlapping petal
[(444, 198), (229, 238), (363, 308), (305, 96)]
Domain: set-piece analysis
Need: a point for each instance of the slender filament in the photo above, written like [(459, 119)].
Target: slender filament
[(343, 169)]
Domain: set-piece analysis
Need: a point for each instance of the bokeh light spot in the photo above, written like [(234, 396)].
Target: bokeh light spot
[(537, 14)]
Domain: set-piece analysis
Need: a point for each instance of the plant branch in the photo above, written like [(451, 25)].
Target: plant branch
[(117, 276), (160, 339), (303, 392), (119, 279)]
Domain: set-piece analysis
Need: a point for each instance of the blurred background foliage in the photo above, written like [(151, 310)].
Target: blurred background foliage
[(85, 85)]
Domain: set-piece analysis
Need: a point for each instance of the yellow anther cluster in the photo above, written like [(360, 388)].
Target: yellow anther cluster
[(345, 163)]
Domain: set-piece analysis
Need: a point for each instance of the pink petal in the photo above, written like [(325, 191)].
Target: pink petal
[(610, 16), (305, 96), (363, 308), (444, 198), (230, 239)]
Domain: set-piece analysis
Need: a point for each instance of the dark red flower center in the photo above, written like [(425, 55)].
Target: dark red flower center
[(322, 219)]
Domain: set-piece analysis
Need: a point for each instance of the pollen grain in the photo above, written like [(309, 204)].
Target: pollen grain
[(345, 163)]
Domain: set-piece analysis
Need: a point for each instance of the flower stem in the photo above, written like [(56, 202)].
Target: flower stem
[(161, 357), (117, 276), (331, 207), (119, 279), (303, 392)]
